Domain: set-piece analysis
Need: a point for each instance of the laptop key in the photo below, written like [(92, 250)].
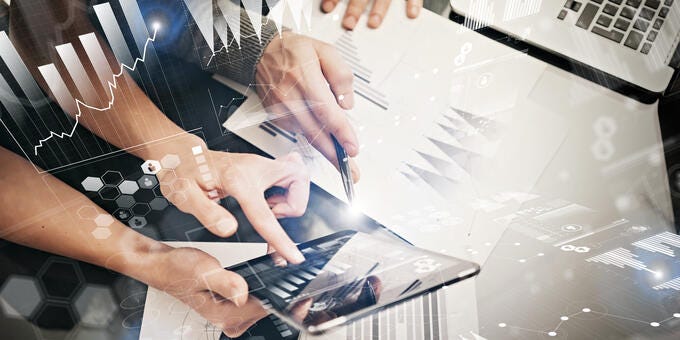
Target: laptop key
[(657, 24), (611, 35), (610, 9), (668, 2), (597, 1), (652, 36), (634, 39), (587, 16), (646, 13), (622, 24), (618, 2), (653, 3), (628, 13), (562, 15), (641, 25), (604, 20), (663, 12), (634, 3), (645, 48)]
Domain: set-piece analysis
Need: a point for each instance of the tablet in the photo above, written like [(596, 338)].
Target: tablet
[(346, 276)]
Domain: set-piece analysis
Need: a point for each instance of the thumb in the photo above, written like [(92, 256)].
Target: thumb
[(228, 285)]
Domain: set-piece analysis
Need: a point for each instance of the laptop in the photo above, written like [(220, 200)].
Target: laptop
[(632, 42)]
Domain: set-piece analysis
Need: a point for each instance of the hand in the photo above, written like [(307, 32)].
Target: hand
[(308, 84), (195, 188), (356, 7), (198, 280)]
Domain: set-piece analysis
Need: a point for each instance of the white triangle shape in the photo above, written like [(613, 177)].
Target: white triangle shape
[(232, 15), (254, 11), (202, 11), (276, 8)]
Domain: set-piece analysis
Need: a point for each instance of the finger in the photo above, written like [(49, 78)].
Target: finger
[(329, 5), (353, 12), (338, 74), (228, 285), (279, 261), (378, 11), (331, 117), (356, 174), (234, 326), (211, 215), (297, 185), (413, 8), (301, 309), (257, 211)]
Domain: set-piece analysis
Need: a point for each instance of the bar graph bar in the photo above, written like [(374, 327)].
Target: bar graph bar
[(77, 72), (137, 25), (58, 88), (660, 243), (96, 55), (113, 33), (20, 72), (672, 284), (620, 257)]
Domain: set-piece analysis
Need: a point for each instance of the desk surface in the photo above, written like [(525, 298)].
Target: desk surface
[(614, 283)]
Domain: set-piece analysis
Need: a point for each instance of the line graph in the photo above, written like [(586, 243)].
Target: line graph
[(112, 86)]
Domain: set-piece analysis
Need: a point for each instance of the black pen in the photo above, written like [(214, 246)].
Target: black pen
[(345, 169)]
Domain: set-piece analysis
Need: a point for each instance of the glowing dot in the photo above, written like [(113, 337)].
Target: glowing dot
[(336, 17), (362, 146), (361, 128), (416, 76), (502, 325), (522, 260), (586, 310), (676, 315), (552, 333), (341, 97), (540, 254), (435, 70), (156, 26), (658, 274), (564, 318), (396, 123), (432, 98), (487, 244), (654, 324), (380, 140)]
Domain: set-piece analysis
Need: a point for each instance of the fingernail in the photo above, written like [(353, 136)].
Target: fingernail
[(349, 22), (350, 149), (375, 20), (327, 6), (225, 226), (413, 11)]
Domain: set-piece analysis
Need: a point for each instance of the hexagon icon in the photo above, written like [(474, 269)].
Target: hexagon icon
[(104, 220), (147, 181), (109, 193), (151, 167), (101, 233), (96, 306), (125, 201), (122, 214), (112, 177), (87, 212), (60, 278), (128, 187), (158, 203), (170, 161), (20, 296), (141, 209), (92, 184), (137, 222)]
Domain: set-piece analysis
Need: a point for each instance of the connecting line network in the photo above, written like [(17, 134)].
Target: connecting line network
[(113, 85)]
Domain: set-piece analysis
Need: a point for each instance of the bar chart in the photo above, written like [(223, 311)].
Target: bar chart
[(49, 134)]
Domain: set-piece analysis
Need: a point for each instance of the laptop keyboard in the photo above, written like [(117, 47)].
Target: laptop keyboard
[(633, 23)]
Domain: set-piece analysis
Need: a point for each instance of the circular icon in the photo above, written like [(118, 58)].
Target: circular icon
[(567, 247), (571, 228), (581, 249)]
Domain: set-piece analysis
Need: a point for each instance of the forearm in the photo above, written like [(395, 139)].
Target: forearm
[(42, 212)]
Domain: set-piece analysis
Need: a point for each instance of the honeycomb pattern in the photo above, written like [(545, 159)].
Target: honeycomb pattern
[(20, 296), (133, 199)]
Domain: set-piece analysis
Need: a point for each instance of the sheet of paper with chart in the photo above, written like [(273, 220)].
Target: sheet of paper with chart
[(449, 140)]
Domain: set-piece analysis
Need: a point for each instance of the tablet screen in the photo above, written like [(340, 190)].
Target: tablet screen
[(347, 275)]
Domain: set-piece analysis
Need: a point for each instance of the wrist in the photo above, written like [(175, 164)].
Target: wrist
[(178, 145), (141, 260)]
